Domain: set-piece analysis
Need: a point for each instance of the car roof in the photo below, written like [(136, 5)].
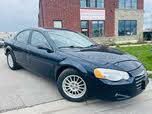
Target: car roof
[(48, 30)]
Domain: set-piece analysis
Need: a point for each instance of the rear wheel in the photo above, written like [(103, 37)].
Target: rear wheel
[(72, 85), (11, 61)]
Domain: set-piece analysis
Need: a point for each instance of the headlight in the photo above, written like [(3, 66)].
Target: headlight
[(112, 75)]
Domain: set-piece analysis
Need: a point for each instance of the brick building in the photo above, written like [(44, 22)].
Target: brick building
[(118, 19)]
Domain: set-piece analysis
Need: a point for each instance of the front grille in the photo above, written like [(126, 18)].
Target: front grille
[(139, 75), (139, 82)]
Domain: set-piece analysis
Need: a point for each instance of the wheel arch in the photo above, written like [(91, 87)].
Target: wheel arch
[(8, 49), (67, 66)]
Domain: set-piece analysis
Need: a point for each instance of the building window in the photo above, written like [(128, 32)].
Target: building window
[(100, 3), (84, 24), (92, 3), (127, 27), (83, 3), (128, 4), (85, 27), (57, 24), (97, 28)]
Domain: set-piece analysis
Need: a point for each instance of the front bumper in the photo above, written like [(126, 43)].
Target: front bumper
[(120, 90)]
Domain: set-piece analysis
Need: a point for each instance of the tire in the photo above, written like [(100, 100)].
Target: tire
[(11, 61), (72, 90)]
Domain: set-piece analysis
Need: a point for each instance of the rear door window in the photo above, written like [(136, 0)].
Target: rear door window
[(23, 37)]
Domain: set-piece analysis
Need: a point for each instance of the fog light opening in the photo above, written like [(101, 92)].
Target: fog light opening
[(121, 96)]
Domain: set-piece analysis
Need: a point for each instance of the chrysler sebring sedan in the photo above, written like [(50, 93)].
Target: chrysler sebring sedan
[(80, 67)]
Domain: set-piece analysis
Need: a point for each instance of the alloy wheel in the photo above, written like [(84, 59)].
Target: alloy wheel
[(74, 86), (10, 61)]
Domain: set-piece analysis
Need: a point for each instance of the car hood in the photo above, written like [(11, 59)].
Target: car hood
[(101, 56)]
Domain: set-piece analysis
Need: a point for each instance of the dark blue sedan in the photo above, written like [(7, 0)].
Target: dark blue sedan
[(80, 67)]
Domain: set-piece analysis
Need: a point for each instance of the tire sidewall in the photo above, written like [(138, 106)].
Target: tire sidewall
[(62, 76), (13, 58)]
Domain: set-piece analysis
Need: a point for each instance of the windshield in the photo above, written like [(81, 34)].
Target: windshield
[(68, 39)]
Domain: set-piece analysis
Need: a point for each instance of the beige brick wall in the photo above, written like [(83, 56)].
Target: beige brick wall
[(129, 15), (125, 15), (115, 40), (7, 34)]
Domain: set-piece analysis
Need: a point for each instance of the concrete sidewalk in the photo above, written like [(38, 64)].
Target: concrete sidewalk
[(138, 105), (149, 72), (131, 45)]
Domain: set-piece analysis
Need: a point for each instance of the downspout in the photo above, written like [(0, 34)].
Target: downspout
[(42, 13)]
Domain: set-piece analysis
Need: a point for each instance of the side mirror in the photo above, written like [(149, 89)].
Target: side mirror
[(43, 47)]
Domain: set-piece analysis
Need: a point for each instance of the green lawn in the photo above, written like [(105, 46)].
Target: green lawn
[(150, 76), (143, 53)]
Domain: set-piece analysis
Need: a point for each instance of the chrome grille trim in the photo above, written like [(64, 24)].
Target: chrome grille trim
[(138, 74), (138, 85), (138, 81), (138, 78), (139, 89)]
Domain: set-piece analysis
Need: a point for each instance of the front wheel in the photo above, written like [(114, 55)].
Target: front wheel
[(72, 85)]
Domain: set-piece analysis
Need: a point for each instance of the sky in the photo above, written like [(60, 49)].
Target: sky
[(148, 14), (16, 15)]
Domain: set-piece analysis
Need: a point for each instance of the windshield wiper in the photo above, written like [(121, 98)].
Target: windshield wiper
[(71, 47)]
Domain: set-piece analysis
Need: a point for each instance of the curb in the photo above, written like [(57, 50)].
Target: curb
[(131, 45), (149, 72)]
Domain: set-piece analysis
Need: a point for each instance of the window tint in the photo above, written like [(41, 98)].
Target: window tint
[(23, 37), (38, 39), (127, 27)]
